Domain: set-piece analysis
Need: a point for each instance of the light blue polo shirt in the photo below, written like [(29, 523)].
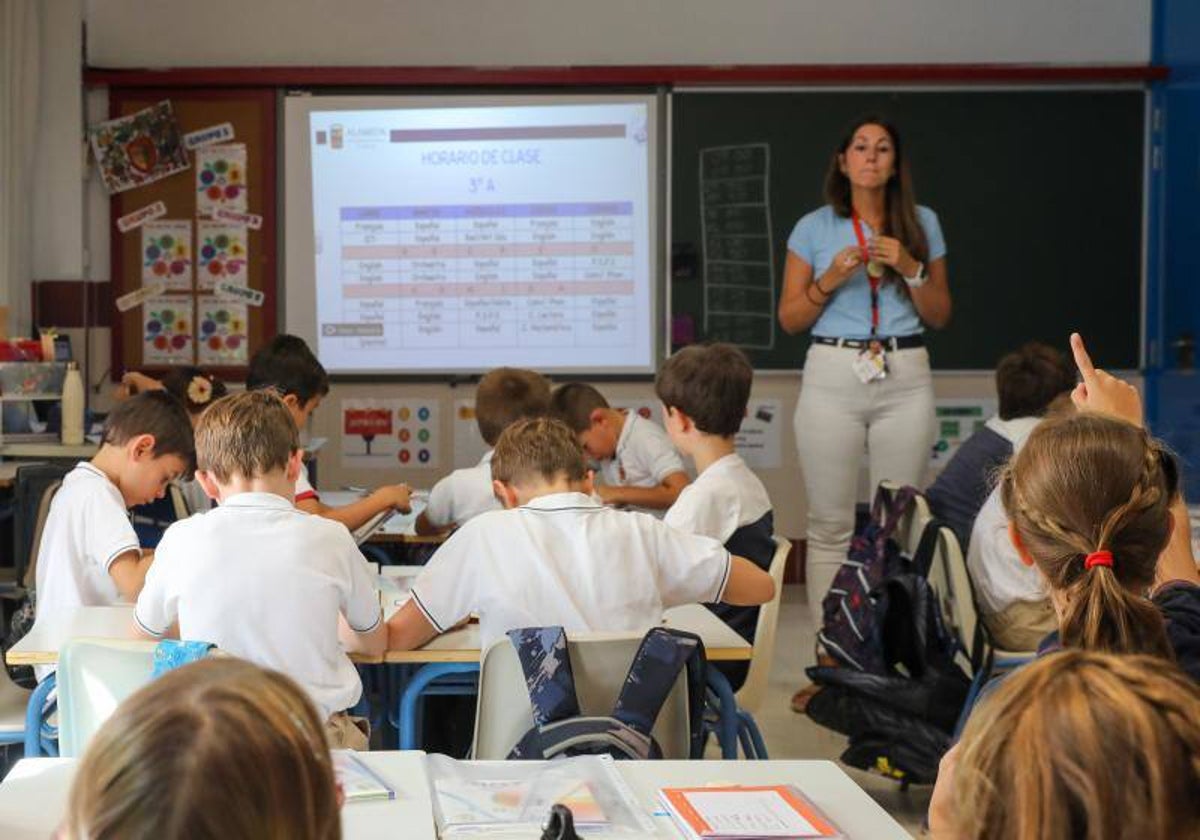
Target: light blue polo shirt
[(818, 237)]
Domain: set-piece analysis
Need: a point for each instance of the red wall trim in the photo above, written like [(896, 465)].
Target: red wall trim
[(607, 76)]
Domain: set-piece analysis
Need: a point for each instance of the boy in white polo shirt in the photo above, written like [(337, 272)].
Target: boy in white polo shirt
[(556, 556), (704, 390), (89, 553), (259, 578), (289, 368), (639, 467), (504, 396)]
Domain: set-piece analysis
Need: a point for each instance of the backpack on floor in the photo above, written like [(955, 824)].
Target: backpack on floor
[(561, 729), (899, 713)]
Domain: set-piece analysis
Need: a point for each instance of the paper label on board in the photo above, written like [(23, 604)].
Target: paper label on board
[(140, 216), (221, 133), (138, 296), (250, 220), (236, 291)]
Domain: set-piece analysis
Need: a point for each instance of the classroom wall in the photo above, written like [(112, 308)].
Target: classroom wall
[(170, 33), (182, 33)]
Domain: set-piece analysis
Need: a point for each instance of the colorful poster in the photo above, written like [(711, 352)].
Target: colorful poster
[(224, 253), (760, 440), (390, 434), (138, 149), (222, 325), (167, 253), (167, 330), (220, 178), (957, 420)]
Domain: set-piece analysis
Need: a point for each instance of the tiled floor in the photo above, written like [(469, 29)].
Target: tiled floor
[(789, 735)]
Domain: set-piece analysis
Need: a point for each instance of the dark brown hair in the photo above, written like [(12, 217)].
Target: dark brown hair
[(1029, 378), (506, 395), (1082, 745), (574, 402), (154, 413), (250, 434), (216, 750), (710, 383), (184, 383), (288, 366), (541, 446), (900, 205), (1087, 482)]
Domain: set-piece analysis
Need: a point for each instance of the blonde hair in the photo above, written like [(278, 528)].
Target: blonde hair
[(542, 447), (217, 750), (1085, 483), (1085, 745), (249, 434)]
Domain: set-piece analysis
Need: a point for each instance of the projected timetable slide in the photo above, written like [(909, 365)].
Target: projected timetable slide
[(463, 238)]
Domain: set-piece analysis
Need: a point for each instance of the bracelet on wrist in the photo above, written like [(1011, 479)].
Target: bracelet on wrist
[(808, 294), (817, 282)]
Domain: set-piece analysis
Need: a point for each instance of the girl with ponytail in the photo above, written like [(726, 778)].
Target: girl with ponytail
[(1093, 501)]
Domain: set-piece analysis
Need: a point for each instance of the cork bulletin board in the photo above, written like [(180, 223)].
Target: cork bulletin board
[(190, 249)]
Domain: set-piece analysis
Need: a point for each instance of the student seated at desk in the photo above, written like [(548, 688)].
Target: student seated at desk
[(638, 465), (259, 578), (704, 390), (196, 390), (288, 367), (89, 554), (556, 556), (217, 749), (504, 396)]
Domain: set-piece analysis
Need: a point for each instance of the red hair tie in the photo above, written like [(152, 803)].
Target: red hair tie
[(1098, 558)]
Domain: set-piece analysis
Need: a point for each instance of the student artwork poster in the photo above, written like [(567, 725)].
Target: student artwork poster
[(390, 434), (167, 253), (222, 325), (221, 179), (167, 330), (224, 253), (139, 149)]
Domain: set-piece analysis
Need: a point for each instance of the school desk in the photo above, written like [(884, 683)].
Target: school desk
[(401, 528), (33, 796)]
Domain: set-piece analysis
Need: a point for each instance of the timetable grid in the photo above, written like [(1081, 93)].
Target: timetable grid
[(488, 275)]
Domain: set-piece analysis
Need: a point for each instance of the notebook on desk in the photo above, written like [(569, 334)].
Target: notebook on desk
[(364, 531)]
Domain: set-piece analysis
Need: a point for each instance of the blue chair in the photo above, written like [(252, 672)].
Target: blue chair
[(41, 737), (436, 678), (94, 676)]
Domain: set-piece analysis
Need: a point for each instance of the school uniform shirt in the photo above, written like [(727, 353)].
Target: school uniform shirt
[(264, 581), (87, 529), (819, 236), (644, 457), (304, 488), (463, 494), (999, 576), (563, 559), (729, 503)]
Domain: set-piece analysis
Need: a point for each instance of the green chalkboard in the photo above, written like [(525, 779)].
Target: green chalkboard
[(1039, 193)]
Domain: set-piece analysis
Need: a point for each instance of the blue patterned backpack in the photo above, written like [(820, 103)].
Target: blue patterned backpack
[(561, 729)]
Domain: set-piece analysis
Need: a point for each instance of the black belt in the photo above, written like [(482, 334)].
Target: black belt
[(895, 342)]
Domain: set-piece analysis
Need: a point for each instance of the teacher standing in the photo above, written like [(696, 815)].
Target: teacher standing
[(865, 273)]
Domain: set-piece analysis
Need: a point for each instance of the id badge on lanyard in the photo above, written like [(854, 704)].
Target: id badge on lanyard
[(871, 363)]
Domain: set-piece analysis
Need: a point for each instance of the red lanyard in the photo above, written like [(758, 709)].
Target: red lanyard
[(874, 281)]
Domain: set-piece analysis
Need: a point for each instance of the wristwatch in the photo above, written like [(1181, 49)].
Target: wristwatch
[(919, 279)]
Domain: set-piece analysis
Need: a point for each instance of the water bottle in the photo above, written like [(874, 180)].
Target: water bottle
[(72, 406)]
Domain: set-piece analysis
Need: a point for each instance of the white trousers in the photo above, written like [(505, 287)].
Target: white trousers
[(836, 418)]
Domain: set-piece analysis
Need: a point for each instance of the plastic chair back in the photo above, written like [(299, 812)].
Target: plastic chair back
[(959, 604), (43, 513), (35, 486), (750, 695), (599, 663), (94, 676)]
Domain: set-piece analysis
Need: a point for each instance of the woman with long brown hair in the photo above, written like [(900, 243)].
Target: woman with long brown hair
[(865, 273), (1078, 744)]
